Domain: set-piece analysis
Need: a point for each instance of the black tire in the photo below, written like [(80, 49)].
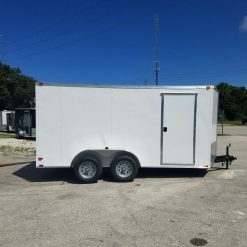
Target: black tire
[(87, 169), (122, 176)]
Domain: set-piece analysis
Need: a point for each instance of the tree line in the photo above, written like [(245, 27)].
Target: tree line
[(18, 90), (232, 101)]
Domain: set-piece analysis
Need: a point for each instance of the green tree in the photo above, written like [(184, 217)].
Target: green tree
[(232, 101), (16, 89)]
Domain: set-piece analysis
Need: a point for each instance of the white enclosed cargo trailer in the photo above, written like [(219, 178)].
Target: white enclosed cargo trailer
[(124, 128), (25, 122), (7, 120)]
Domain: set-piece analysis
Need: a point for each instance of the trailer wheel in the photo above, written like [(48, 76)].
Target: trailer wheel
[(87, 169), (124, 168)]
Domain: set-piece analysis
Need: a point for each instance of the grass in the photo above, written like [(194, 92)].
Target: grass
[(6, 135)]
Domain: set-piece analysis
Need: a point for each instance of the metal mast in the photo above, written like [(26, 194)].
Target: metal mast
[(157, 68)]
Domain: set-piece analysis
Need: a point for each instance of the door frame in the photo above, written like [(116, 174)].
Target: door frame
[(162, 125)]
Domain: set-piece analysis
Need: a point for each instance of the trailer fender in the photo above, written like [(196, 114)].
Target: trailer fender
[(106, 157), (122, 152), (83, 154)]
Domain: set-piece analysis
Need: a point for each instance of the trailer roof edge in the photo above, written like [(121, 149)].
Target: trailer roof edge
[(124, 86)]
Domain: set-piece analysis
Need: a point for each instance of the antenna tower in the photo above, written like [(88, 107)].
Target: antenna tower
[(157, 68)]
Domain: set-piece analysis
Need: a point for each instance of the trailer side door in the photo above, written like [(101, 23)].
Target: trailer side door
[(178, 128)]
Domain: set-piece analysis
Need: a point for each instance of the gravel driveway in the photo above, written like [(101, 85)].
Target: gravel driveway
[(14, 150)]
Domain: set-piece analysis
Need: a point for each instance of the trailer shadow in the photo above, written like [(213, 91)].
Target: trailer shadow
[(170, 173), (216, 168), (32, 174), (146, 173)]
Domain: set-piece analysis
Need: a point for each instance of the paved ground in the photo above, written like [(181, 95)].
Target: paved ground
[(240, 130), (160, 208)]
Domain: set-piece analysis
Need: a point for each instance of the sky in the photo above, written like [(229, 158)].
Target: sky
[(113, 42)]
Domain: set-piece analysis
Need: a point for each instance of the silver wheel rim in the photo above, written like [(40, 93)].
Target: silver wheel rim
[(124, 168), (87, 169)]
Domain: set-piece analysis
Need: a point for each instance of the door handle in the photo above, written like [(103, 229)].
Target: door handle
[(165, 129)]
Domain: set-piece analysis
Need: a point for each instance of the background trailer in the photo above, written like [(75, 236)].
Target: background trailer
[(87, 127), (7, 120), (25, 122)]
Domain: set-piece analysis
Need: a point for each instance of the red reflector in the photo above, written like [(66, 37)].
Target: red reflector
[(39, 159), (209, 87)]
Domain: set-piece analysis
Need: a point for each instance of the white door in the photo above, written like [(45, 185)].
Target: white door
[(178, 127)]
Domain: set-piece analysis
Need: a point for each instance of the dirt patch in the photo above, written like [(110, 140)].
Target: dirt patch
[(12, 145), (9, 149)]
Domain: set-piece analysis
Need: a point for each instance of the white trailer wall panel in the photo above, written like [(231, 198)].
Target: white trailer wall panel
[(85, 121), (73, 119)]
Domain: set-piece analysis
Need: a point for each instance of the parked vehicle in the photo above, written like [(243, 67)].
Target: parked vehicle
[(124, 128), (7, 119), (25, 122)]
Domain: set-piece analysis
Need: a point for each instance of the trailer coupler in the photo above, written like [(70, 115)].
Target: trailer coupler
[(226, 159)]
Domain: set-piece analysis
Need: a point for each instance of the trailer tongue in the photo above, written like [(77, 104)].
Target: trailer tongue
[(226, 159)]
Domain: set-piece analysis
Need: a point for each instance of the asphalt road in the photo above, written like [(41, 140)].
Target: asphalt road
[(160, 208)]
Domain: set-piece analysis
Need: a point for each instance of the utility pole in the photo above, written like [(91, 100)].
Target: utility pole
[(157, 68)]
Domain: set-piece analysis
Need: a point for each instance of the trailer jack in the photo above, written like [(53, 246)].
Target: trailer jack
[(225, 159)]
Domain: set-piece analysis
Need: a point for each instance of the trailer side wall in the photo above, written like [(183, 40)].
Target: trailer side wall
[(74, 119)]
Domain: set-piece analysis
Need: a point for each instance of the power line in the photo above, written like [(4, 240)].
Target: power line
[(207, 77), (209, 74), (68, 31), (76, 40), (41, 30), (209, 70)]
